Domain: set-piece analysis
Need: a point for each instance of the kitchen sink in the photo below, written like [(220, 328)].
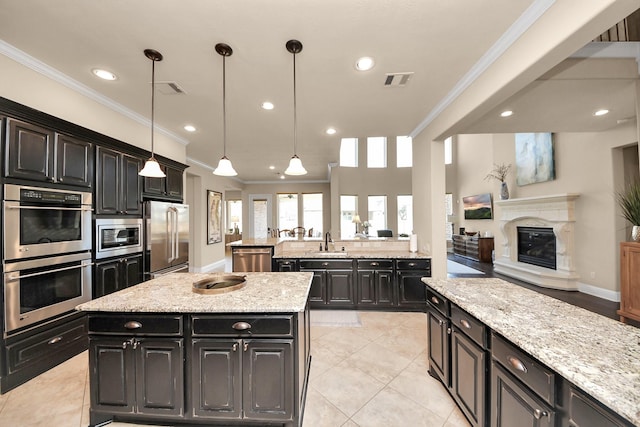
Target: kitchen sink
[(328, 254)]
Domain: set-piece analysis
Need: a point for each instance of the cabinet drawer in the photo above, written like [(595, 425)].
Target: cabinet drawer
[(469, 325), (438, 301), (234, 325), (375, 264), (43, 346), (538, 378), (585, 412), (319, 264), (135, 324), (414, 264)]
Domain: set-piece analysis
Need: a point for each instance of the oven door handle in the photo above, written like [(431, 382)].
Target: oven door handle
[(24, 276), (50, 208)]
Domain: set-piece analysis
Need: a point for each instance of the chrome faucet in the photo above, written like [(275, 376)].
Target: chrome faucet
[(327, 239)]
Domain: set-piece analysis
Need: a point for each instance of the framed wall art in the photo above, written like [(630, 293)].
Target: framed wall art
[(214, 217), (534, 158)]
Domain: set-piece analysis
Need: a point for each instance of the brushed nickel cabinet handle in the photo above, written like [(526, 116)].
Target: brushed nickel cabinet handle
[(241, 326), (412, 264), (465, 323), (235, 346), (325, 264), (517, 364), (133, 325), (375, 264), (54, 340), (435, 300)]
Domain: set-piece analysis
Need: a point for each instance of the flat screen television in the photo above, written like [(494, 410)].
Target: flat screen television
[(478, 207)]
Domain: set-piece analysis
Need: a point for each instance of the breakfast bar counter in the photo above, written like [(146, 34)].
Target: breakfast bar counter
[(161, 353)]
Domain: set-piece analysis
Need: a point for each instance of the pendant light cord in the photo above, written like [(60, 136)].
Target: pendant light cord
[(153, 92), (224, 106), (295, 109)]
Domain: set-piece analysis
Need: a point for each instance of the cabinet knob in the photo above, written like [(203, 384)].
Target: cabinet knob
[(465, 323), (540, 413), (245, 346), (435, 300), (241, 326), (235, 346), (133, 325), (517, 364)]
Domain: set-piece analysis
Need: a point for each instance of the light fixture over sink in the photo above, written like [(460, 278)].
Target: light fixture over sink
[(225, 168), (295, 164), (151, 167)]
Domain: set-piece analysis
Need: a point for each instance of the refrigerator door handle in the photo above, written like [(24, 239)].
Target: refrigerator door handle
[(176, 237), (169, 235)]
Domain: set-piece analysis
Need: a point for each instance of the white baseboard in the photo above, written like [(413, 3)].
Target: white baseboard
[(214, 266), (599, 292)]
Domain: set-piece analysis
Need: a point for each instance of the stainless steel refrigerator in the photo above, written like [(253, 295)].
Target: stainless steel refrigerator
[(166, 238)]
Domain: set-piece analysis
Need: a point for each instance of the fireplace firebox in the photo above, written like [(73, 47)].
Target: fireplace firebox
[(537, 246)]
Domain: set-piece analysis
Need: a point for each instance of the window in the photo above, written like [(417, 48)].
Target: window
[(448, 204), (448, 151), (405, 215), (349, 152), (376, 152), (404, 152), (377, 214), (312, 213), (287, 211), (234, 215), (348, 208)]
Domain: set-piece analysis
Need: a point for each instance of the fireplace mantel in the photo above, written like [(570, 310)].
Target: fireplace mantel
[(554, 211)]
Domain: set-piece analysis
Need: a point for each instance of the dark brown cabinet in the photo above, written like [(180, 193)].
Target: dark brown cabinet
[(439, 346), (243, 379), (468, 376), (332, 284), (116, 274), (286, 265), (38, 154), (411, 290), (474, 247), (375, 286), (629, 281), (170, 187), (118, 186)]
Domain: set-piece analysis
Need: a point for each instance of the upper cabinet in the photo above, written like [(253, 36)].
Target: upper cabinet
[(118, 189), (39, 154), (169, 187)]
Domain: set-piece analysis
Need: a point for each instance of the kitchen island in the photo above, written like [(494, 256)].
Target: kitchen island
[(541, 361), (161, 353)]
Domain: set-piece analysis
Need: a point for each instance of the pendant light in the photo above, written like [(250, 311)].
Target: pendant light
[(295, 164), (225, 168), (151, 167)]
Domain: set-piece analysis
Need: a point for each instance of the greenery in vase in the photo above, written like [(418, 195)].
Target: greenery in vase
[(499, 172), (629, 202)]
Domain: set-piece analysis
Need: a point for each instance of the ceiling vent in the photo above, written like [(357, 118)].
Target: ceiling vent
[(169, 88), (397, 79)]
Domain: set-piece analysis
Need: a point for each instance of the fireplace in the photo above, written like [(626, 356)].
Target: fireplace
[(537, 246), (538, 240)]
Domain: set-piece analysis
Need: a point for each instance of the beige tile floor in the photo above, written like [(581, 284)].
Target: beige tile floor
[(367, 376)]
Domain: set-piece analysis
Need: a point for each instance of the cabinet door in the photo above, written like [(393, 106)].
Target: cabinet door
[(411, 290), (131, 191), (514, 405), (287, 265), (74, 161), (629, 281), (317, 292), (268, 379), (468, 375), (132, 270), (174, 183), (366, 288), (107, 278), (384, 288), (112, 379), (160, 376), (108, 185), (438, 340), (339, 285), (155, 186), (29, 151), (216, 386)]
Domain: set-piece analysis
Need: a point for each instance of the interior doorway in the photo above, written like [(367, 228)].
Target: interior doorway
[(260, 215)]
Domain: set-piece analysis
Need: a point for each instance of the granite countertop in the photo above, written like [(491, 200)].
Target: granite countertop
[(264, 293), (352, 254), (597, 354), (269, 241)]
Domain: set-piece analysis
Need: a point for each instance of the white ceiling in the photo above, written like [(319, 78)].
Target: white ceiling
[(438, 40)]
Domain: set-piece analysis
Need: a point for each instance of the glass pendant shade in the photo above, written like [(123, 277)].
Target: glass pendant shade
[(225, 168), (152, 169), (295, 167)]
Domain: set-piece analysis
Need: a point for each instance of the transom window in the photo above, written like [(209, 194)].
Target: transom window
[(349, 152), (404, 152), (376, 152)]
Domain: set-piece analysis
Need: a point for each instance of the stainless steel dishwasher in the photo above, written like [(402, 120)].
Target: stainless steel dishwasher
[(252, 258)]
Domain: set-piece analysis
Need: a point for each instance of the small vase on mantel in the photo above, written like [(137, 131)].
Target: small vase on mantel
[(504, 191), (635, 233)]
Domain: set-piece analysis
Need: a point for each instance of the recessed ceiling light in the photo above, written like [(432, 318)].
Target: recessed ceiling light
[(331, 131), (365, 63), (272, 167), (190, 128), (281, 176), (267, 105), (104, 74), (506, 113), (601, 112)]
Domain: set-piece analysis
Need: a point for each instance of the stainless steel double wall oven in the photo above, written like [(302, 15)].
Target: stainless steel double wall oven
[(47, 253)]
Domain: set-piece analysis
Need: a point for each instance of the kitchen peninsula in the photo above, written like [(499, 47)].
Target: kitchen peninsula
[(537, 360), (161, 353)]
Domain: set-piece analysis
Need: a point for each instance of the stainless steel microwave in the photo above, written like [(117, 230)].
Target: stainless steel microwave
[(119, 236)]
